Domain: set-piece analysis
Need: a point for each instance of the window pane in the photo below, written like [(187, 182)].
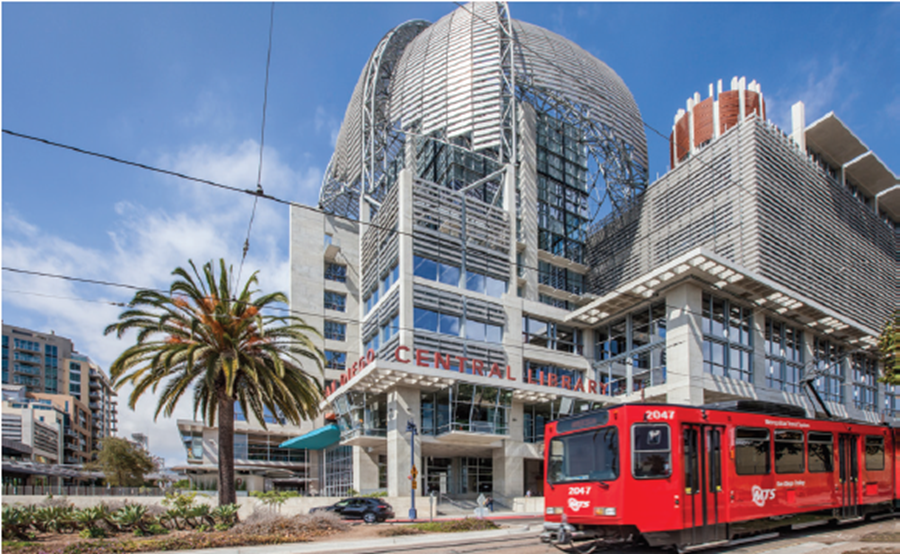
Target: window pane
[(751, 456), (425, 319), (474, 282), (493, 333), (495, 287), (821, 453), (449, 325), (474, 330), (874, 453), (449, 275), (788, 451), (425, 268)]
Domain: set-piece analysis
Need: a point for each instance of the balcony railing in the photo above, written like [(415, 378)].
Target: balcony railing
[(483, 427)]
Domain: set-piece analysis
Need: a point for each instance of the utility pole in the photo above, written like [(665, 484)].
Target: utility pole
[(413, 473)]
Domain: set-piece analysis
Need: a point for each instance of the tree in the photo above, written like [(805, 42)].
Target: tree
[(123, 463), (889, 344), (200, 336)]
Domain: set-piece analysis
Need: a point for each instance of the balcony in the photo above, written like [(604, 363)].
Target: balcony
[(95, 396), (332, 249), (364, 437), (95, 384), (479, 432), (94, 405)]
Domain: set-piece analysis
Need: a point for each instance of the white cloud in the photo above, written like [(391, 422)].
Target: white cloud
[(145, 244), (323, 121), (818, 91)]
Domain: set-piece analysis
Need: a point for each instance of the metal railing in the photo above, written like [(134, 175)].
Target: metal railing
[(44, 490)]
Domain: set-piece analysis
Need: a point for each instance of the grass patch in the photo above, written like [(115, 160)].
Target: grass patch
[(881, 537), (456, 525), (399, 531)]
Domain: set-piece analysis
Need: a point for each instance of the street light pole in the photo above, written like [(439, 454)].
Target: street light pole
[(413, 473)]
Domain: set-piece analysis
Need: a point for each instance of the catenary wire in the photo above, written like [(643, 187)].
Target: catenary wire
[(262, 142)]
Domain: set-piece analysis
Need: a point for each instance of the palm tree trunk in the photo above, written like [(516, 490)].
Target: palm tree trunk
[(226, 450)]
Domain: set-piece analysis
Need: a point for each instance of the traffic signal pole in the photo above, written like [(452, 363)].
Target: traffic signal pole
[(413, 473)]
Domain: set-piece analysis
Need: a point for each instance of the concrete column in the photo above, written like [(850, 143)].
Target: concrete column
[(313, 471), (508, 470), (403, 406), (798, 126), (405, 253), (758, 340), (528, 196), (684, 344), (365, 470)]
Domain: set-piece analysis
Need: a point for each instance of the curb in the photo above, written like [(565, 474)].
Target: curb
[(357, 545)]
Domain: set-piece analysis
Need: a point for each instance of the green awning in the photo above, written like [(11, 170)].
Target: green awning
[(316, 439)]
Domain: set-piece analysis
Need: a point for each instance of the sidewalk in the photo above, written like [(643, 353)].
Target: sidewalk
[(357, 545)]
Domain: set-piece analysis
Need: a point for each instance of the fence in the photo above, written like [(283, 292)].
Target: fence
[(44, 490)]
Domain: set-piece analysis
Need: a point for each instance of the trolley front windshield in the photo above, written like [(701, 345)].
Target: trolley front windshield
[(588, 456)]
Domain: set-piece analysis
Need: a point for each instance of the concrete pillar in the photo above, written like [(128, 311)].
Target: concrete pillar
[(758, 340), (798, 126), (313, 471), (508, 470), (365, 470), (405, 253), (684, 344), (403, 406)]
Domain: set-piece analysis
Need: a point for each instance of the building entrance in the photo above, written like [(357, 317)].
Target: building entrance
[(438, 473)]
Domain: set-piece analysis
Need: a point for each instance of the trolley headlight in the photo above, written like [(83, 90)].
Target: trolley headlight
[(605, 511), (554, 510)]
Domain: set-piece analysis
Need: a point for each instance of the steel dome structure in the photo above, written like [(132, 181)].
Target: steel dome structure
[(458, 81)]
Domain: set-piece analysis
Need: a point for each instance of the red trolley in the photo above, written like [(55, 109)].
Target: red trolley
[(688, 476)]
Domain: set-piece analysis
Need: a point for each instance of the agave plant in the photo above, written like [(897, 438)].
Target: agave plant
[(129, 517), (227, 514), (53, 519), (200, 515), (88, 518), (16, 522)]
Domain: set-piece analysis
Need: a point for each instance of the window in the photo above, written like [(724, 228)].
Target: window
[(476, 330), (336, 272), (892, 399), (335, 360), (652, 451), (726, 339), (865, 381), (588, 456), (540, 373), (751, 451), (788, 451), (451, 274), (429, 320), (551, 335), (821, 452), (560, 278), (784, 356), (874, 453), (335, 331), (562, 188), (335, 301), (828, 357)]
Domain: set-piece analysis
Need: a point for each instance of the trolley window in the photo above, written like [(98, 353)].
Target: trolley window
[(588, 456), (874, 453), (789, 451), (821, 452), (751, 451), (651, 451)]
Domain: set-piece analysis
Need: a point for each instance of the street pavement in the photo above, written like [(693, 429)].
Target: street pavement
[(522, 537)]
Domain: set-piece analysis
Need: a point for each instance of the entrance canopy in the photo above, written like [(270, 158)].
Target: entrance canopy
[(317, 439)]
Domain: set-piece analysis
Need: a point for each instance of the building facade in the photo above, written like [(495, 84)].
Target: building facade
[(492, 258), (50, 371)]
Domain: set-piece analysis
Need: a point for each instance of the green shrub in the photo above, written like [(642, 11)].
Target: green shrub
[(92, 533), (16, 522), (456, 525)]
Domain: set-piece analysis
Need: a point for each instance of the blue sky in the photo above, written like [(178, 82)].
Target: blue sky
[(180, 86)]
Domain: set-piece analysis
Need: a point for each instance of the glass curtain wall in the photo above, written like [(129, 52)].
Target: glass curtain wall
[(536, 416), (638, 339), (468, 408), (361, 414), (338, 464)]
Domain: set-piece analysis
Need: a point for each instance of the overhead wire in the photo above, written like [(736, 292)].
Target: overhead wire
[(262, 142)]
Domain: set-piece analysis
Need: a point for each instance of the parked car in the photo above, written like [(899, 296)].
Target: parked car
[(369, 510)]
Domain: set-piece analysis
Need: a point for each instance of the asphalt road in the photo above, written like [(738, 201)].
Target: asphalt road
[(825, 540)]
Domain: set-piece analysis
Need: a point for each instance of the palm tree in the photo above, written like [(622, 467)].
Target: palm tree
[(200, 337)]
